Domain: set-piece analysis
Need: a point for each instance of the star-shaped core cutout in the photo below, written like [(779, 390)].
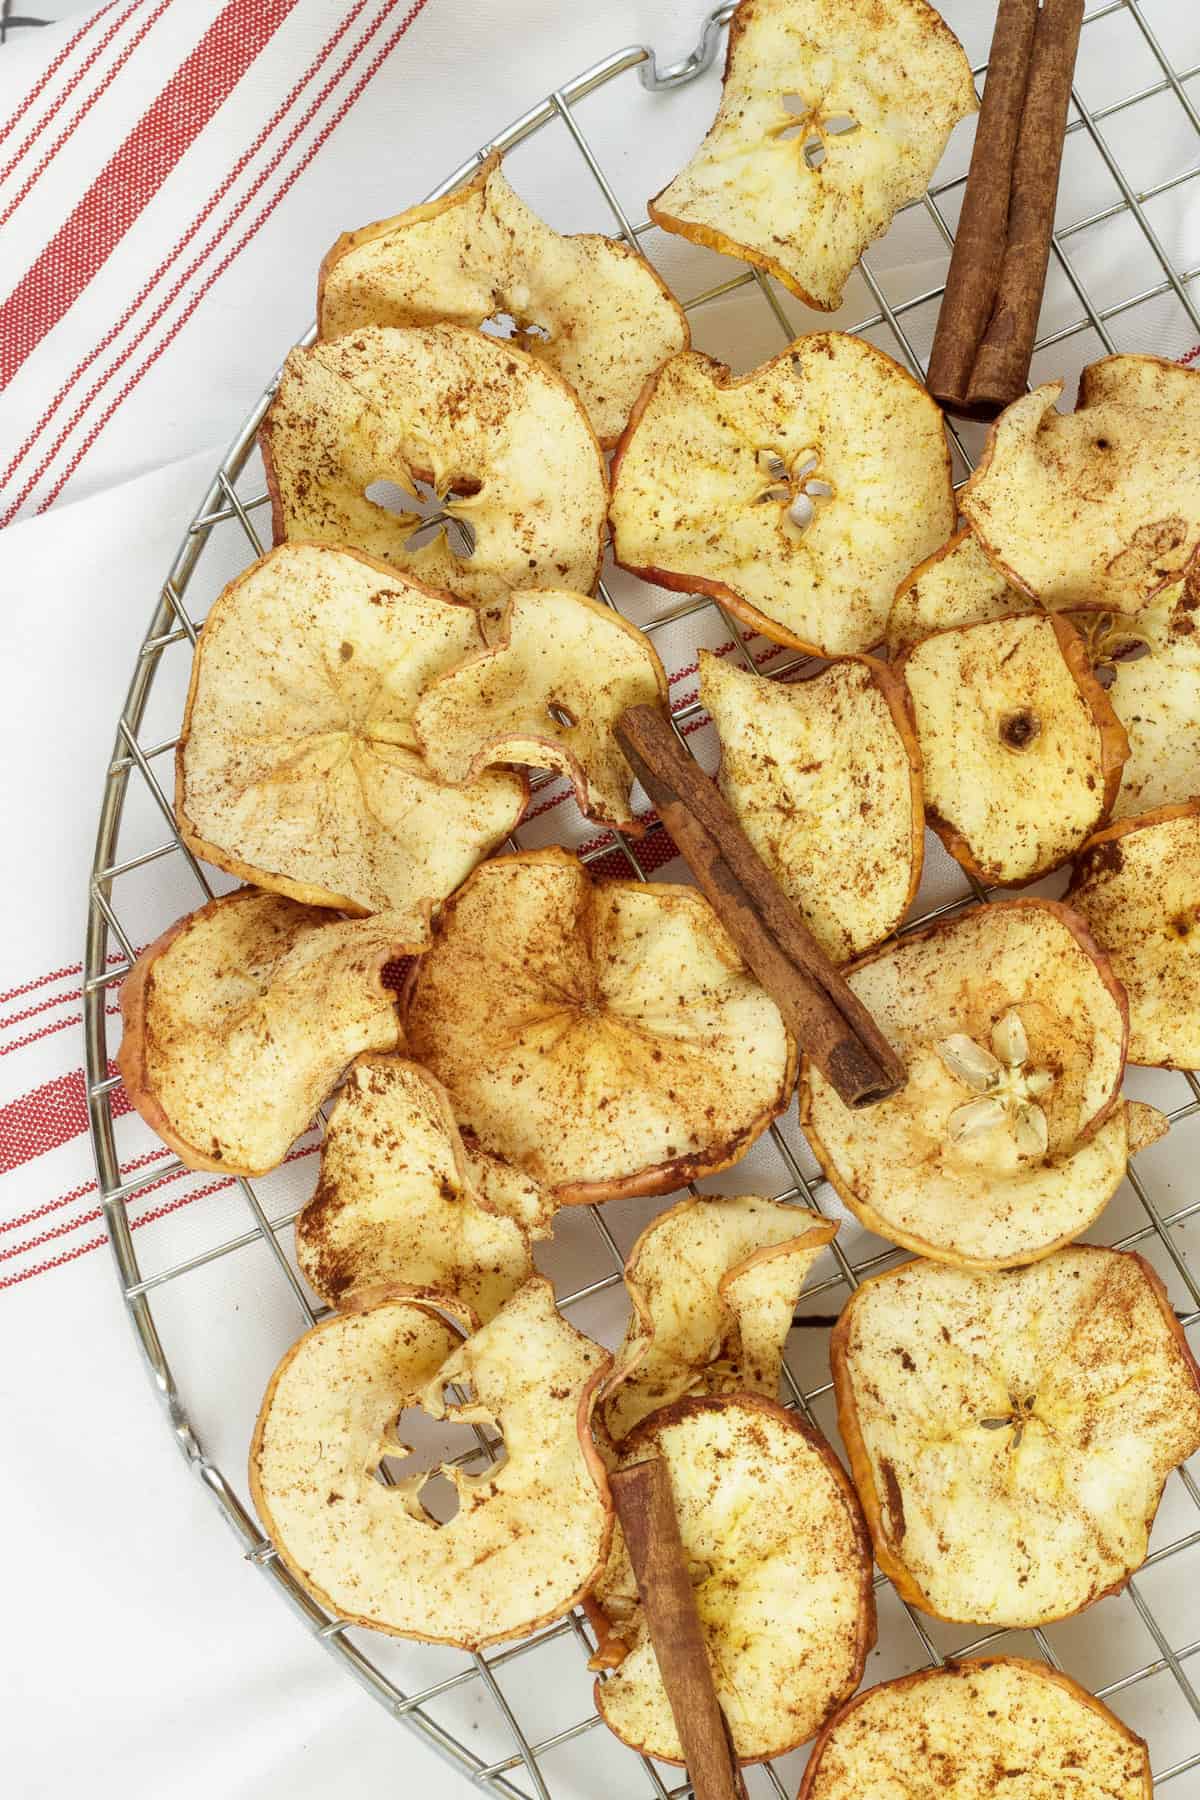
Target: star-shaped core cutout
[(1008, 1090), (798, 490), (512, 328), (425, 515), (806, 123), (1018, 1417)]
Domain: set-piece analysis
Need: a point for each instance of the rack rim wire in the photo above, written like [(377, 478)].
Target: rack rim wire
[(172, 623)]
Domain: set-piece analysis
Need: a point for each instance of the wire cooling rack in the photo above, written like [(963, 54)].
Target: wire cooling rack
[(520, 1720)]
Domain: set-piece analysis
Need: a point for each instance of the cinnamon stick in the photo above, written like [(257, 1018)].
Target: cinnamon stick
[(974, 277), (829, 1022), (646, 1508), (1002, 365), (988, 320)]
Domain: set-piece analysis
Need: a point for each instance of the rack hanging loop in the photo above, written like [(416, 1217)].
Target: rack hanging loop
[(678, 74)]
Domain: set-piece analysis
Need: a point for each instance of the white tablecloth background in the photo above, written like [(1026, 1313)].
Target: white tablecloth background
[(139, 1657)]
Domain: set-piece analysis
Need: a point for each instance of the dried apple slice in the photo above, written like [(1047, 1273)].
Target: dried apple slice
[(714, 1285), (832, 117), (1145, 1125), (825, 778), (781, 1576), (1007, 1139), (588, 307), (1156, 696), (399, 1198), (530, 1534), (1138, 886), (1000, 1725), (560, 671), (240, 1018), (1100, 508), (1155, 692), (604, 1037), (957, 585), (1010, 1434), (298, 765), (1021, 749), (799, 494), (500, 439)]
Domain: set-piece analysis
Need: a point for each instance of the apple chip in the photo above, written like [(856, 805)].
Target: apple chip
[(957, 585), (588, 307), (1010, 1433), (604, 1037), (825, 778), (499, 439), (560, 671), (972, 1730), (1021, 749), (1099, 508), (1008, 1138), (1156, 696), (1138, 886), (400, 1199), (531, 1533), (1145, 1125), (781, 1577), (799, 494), (240, 1018), (714, 1285), (299, 767), (832, 118)]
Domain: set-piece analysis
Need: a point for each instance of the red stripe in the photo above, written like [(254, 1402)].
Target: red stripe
[(78, 1193), (150, 1218), (46, 1031), (61, 99), (247, 156), (101, 87), (52, 69), (49, 1116), (30, 987), (40, 981), (230, 256), (54, 1262), (134, 175), (31, 1012)]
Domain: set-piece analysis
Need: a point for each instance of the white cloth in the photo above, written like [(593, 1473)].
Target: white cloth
[(141, 1657)]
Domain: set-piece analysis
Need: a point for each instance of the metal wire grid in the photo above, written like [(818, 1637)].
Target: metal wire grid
[(223, 510)]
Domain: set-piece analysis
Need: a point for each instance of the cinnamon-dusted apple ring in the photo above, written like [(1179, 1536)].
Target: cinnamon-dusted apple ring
[(832, 117), (799, 494), (585, 305), (1021, 751), (1010, 1433), (605, 1037), (781, 1576), (1100, 508), (1138, 886), (825, 777), (298, 766), (1000, 1725), (713, 1284), (531, 1533), (1009, 1135), (501, 440), (240, 1018), (402, 1199), (957, 585), (559, 671)]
